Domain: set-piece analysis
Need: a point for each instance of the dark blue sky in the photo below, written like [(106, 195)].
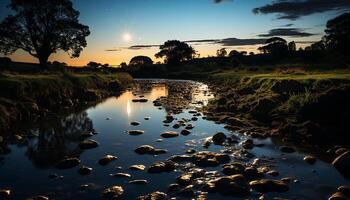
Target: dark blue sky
[(122, 23)]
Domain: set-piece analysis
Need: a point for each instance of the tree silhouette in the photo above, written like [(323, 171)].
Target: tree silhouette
[(338, 34), (275, 46), (175, 51), (221, 52), (41, 28), (141, 60), (292, 46)]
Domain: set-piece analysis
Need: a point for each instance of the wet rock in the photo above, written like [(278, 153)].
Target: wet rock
[(170, 134), (84, 170), (135, 123), (86, 134), (88, 186), (287, 149), (140, 100), (268, 185), (169, 118), (5, 193), (342, 163), (160, 167), (194, 118), (181, 158), (121, 175), (147, 118), (106, 160), (210, 159), (233, 168), (190, 151), (39, 197), (235, 185), (252, 173), (147, 149), (185, 132), (176, 126), (135, 132), (114, 192), (68, 163), (338, 196), (138, 182), (310, 160), (184, 179), (273, 173), (154, 196), (248, 144), (207, 142), (173, 188), (345, 189), (189, 127), (88, 144), (187, 192), (137, 167), (219, 138), (340, 151)]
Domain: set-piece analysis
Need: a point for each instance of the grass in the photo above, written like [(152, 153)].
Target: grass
[(19, 89)]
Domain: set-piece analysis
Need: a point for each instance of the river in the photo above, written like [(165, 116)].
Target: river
[(28, 167)]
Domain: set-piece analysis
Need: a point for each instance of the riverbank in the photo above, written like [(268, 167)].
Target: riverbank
[(31, 96), (298, 105)]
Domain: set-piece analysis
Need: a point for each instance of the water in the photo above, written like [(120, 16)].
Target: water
[(25, 168)]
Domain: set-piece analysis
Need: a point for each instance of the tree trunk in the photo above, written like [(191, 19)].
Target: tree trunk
[(43, 61)]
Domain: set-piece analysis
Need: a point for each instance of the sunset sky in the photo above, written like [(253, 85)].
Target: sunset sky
[(121, 29)]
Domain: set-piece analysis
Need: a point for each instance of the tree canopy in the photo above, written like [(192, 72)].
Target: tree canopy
[(338, 34), (43, 27), (175, 51), (275, 46), (221, 52), (141, 60)]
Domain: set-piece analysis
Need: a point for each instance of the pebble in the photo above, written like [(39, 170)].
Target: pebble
[(106, 160)]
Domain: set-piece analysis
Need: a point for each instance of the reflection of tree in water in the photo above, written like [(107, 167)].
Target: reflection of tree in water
[(58, 139)]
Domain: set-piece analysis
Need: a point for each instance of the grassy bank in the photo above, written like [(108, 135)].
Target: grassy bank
[(24, 96), (295, 104)]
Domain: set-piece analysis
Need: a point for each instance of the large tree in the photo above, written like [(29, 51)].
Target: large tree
[(43, 27), (175, 51), (141, 60), (275, 46), (338, 34)]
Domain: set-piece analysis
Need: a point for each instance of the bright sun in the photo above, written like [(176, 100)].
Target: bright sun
[(127, 37)]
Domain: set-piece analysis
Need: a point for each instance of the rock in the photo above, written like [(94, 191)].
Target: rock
[(170, 134), (88, 144), (219, 138), (135, 123), (189, 126), (68, 163), (235, 185), (86, 134), (310, 160), (160, 167), (147, 118), (39, 197), (184, 179), (121, 175), (5, 193), (185, 132), (154, 196), (169, 118), (106, 160), (340, 151), (114, 192), (187, 192), (135, 132), (268, 185), (233, 168), (137, 167), (176, 126), (287, 149), (84, 170), (190, 151), (210, 159), (248, 144), (338, 196), (181, 158), (138, 182), (342, 163), (273, 173), (140, 100), (147, 149), (344, 189), (252, 173)]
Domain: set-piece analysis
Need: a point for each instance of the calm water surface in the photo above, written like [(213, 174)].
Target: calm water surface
[(25, 168)]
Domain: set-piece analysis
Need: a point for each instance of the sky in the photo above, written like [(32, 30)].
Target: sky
[(121, 29)]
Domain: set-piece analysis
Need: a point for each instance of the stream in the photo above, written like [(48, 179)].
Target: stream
[(28, 166)]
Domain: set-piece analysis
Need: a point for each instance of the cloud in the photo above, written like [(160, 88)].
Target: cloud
[(137, 47), (295, 9), (220, 1), (287, 25), (288, 32), (115, 49), (240, 42)]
